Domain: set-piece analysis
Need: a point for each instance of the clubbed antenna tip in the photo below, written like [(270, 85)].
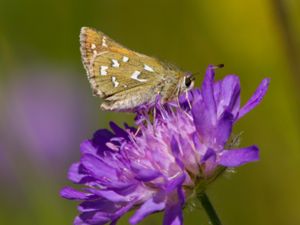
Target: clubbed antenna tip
[(219, 66)]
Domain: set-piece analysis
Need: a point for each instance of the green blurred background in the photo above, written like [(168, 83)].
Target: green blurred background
[(47, 107)]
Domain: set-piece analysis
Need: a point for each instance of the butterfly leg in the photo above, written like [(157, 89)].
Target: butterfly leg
[(154, 119), (189, 103), (142, 113), (137, 131), (188, 100)]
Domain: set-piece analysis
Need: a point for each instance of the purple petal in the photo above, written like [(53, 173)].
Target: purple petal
[(73, 173), (223, 130), (189, 158), (124, 188), (86, 147), (175, 183), (130, 128), (102, 211), (255, 99), (149, 207), (101, 205), (104, 207), (209, 160), (208, 92), (146, 175), (123, 210), (99, 140), (210, 153), (79, 175), (173, 212), (238, 157), (119, 132), (198, 145), (72, 194), (109, 195), (97, 167), (173, 215), (175, 147), (187, 97), (202, 120), (91, 218), (228, 96), (176, 152)]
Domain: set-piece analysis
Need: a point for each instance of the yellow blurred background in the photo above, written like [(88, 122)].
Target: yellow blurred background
[(47, 107)]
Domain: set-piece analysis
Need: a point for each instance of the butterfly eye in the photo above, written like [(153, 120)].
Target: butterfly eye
[(188, 81)]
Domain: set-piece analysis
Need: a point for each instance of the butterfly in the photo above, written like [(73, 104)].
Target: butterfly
[(126, 79)]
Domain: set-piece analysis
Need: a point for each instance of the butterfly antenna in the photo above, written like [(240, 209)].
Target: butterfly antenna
[(196, 73), (219, 66)]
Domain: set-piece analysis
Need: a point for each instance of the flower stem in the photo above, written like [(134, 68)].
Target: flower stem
[(209, 209)]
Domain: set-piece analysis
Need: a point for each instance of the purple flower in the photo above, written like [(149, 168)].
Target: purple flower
[(167, 162)]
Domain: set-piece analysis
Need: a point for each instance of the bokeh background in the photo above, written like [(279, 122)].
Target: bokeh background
[(47, 107)]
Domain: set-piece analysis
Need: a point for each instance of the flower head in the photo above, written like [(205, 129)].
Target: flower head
[(169, 159)]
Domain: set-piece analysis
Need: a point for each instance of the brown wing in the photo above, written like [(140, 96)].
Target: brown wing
[(119, 75)]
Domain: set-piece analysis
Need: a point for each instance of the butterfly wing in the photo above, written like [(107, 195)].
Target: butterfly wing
[(123, 78)]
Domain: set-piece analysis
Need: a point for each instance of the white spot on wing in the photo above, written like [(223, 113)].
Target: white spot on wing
[(93, 46), (125, 59), (104, 44), (148, 68), (115, 63), (103, 71), (135, 75), (115, 82)]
